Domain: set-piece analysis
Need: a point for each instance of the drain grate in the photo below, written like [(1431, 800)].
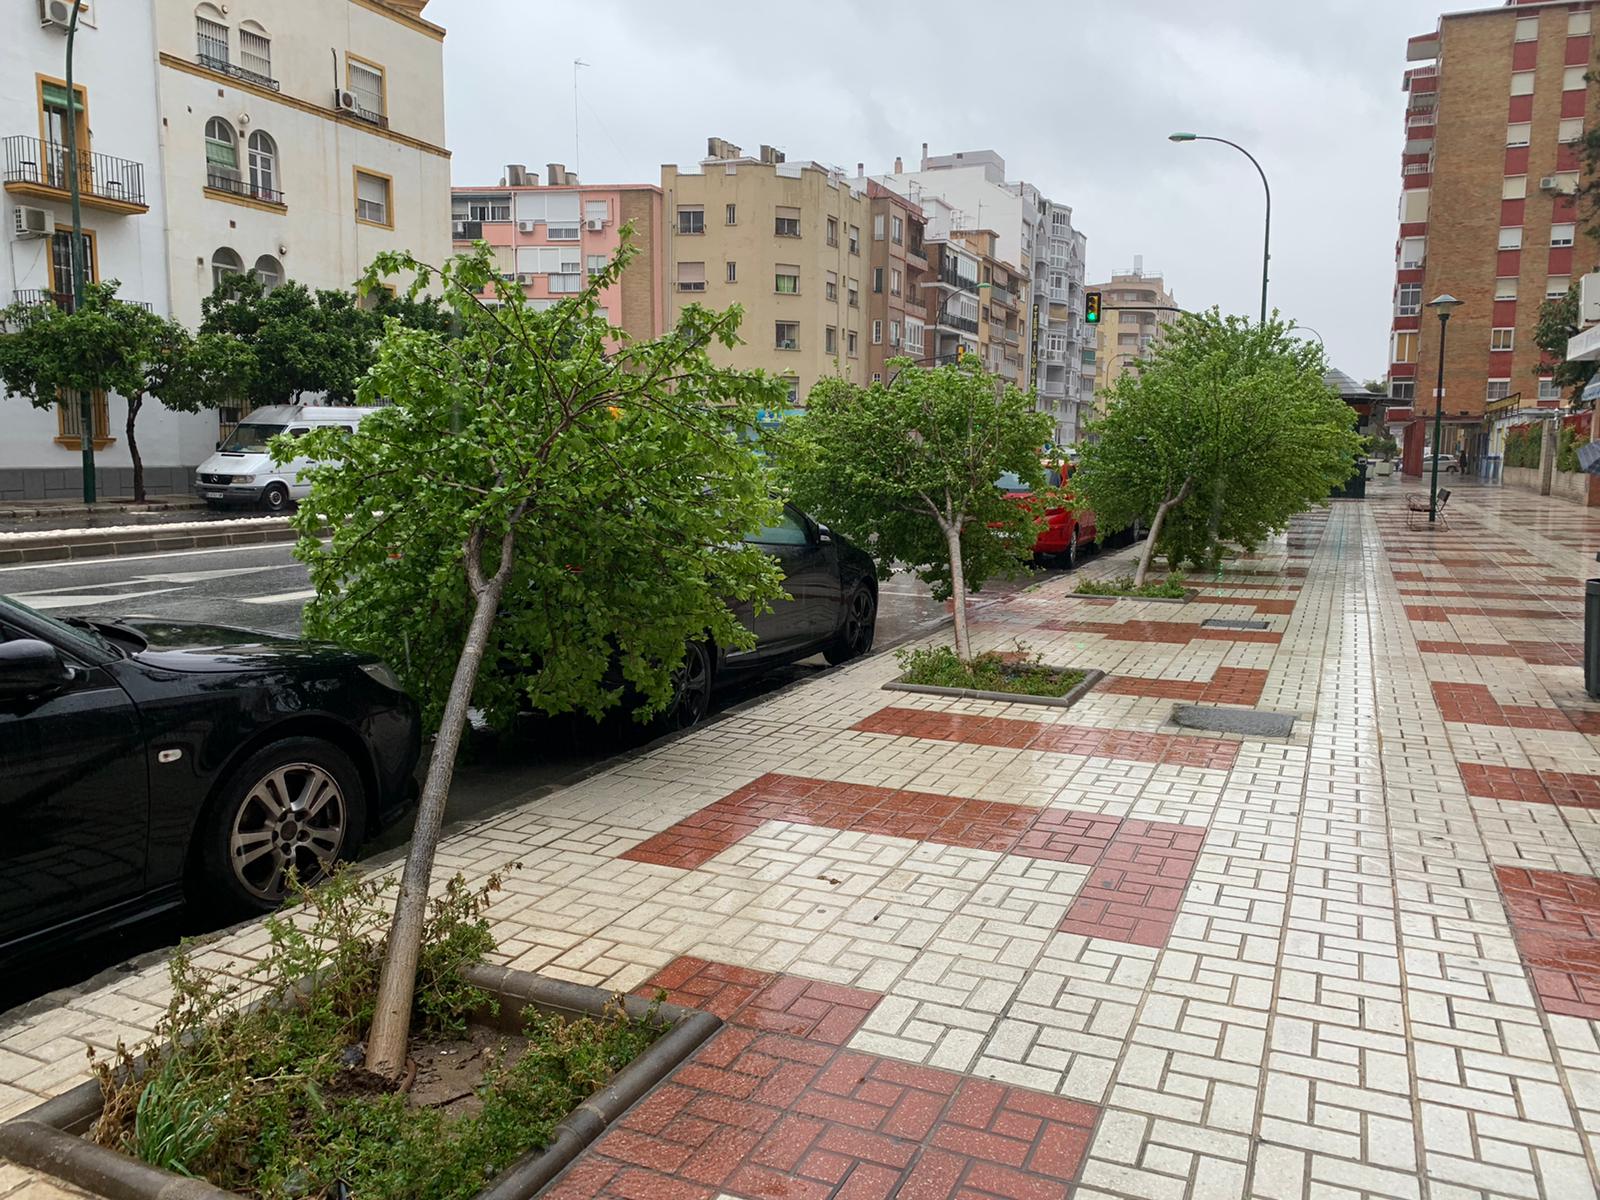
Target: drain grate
[(1219, 623), (1258, 722)]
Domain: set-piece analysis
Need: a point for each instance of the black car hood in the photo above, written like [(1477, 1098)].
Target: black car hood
[(197, 647)]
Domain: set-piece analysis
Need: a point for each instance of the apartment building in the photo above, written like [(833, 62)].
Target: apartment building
[(1134, 309), (1002, 306), (1495, 117), (552, 237), (113, 106), (790, 242), (897, 266)]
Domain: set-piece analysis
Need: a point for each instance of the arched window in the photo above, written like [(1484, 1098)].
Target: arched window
[(264, 167), (255, 54), (211, 37), (222, 155), (269, 271), (225, 262)]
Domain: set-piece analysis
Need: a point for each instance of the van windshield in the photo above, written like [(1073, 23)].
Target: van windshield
[(249, 438)]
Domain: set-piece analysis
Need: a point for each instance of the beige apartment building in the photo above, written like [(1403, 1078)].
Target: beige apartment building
[(790, 243), (1134, 309)]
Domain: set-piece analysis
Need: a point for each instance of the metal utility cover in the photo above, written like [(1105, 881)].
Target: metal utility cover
[(1234, 720), (1218, 623)]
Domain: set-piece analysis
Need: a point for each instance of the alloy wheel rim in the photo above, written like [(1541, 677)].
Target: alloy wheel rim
[(691, 687), (857, 621), (292, 821)]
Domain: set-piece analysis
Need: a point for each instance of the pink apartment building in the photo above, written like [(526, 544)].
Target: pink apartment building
[(552, 236)]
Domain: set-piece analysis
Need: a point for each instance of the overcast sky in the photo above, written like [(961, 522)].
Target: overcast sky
[(1078, 97)]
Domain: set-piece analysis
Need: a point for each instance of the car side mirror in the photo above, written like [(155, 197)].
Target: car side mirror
[(31, 668), (824, 536)]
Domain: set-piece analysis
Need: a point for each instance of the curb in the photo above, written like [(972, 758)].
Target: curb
[(110, 545)]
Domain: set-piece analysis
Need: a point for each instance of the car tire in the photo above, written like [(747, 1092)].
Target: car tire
[(860, 627), (1069, 559), (298, 803), (691, 683), (275, 498)]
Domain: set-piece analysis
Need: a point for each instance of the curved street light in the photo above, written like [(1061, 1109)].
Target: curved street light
[(1266, 252)]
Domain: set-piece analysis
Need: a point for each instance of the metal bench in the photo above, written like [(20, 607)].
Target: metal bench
[(1417, 508)]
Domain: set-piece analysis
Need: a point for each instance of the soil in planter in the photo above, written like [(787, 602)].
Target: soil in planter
[(940, 666), (1171, 588)]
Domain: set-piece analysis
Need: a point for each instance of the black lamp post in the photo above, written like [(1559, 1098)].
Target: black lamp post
[(1444, 306), (1266, 249)]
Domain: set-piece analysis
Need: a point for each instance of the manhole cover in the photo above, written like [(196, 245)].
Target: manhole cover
[(1234, 720), (1218, 623)]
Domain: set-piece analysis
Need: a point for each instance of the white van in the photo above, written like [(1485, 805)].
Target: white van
[(242, 470)]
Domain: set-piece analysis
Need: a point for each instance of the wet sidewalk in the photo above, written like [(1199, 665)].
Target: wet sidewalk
[(984, 949)]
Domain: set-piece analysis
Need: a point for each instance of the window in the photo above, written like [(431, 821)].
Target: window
[(366, 81), (877, 333), (850, 343), (211, 37), (484, 210), (1405, 348), (1578, 24), (1565, 183), (1570, 130), (561, 233), (222, 153), (691, 277), (1572, 79), (224, 262), (269, 271), (894, 333), (264, 167), (1519, 135), (1557, 286), (1505, 289), (255, 54), (787, 279), (1413, 208), (733, 271), (1514, 187), (897, 230), (1511, 238), (730, 214), (1403, 389), (877, 227), (1528, 29), (598, 210), (877, 281), (855, 240), (1522, 83), (833, 231), (1409, 301), (691, 219), (786, 335), (830, 288), (830, 340), (786, 222), (1058, 285), (1562, 235), (69, 420), (877, 377), (853, 293), (1127, 339), (791, 530), (1498, 389), (61, 282), (594, 264), (372, 199), (1549, 389), (894, 281), (1502, 339)]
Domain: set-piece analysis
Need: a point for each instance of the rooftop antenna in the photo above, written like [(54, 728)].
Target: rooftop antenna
[(577, 152)]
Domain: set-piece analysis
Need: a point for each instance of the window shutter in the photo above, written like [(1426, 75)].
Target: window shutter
[(691, 272)]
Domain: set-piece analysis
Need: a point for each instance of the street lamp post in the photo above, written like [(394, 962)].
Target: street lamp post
[(1266, 247), (85, 399), (1444, 306)]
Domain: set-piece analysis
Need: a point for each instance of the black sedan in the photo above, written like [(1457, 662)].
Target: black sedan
[(832, 610), (142, 763)]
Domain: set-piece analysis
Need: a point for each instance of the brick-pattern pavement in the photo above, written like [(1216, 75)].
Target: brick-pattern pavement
[(982, 949)]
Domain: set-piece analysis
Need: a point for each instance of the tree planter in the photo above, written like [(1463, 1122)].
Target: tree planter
[(1066, 701), (1188, 596), (49, 1139)]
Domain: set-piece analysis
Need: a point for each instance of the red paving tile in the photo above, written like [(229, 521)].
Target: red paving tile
[(1528, 786), (1133, 893), (1262, 607), (1177, 632), (1555, 919), (1542, 654), (1474, 704), (817, 1121)]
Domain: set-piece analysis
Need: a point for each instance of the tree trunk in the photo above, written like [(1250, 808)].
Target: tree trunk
[(958, 587), (134, 404), (391, 1022), (1149, 551)]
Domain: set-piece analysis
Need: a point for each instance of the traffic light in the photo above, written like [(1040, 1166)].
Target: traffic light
[(961, 353), (1091, 307)]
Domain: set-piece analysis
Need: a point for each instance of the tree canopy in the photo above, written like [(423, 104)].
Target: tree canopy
[(1559, 323), (1222, 437), (909, 468)]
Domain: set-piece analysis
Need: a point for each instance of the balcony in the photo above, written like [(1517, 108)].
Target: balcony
[(465, 231), (40, 170), (209, 58), (232, 185), (950, 277), (66, 301), (952, 322)]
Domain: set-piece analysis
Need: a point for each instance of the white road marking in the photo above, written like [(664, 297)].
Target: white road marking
[(44, 601), (202, 576), (280, 598), (127, 558)]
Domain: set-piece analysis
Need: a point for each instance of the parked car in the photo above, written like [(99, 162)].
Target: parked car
[(146, 762), (242, 471), (1447, 464), (1067, 531)]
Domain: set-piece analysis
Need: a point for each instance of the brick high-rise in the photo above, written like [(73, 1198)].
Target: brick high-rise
[(1488, 210)]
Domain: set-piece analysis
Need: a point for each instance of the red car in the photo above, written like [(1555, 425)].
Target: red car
[(1068, 530)]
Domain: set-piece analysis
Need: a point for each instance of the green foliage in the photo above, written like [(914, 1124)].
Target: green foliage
[(262, 1100), (1385, 446), (1171, 588), (1524, 445), (608, 469), (1559, 322), (941, 666), (888, 465), (1231, 425), (1568, 443)]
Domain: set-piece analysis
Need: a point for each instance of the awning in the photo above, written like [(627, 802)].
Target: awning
[(1592, 391), (55, 96)]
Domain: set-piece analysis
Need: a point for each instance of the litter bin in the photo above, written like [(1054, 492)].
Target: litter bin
[(1591, 637)]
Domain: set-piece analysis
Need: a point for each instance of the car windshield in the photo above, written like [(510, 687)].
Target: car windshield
[(85, 639), (250, 438), (1011, 482)]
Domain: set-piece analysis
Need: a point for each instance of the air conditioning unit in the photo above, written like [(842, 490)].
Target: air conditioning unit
[(1555, 185), (524, 277), (595, 224), (345, 101), (526, 226), (56, 14), (29, 224)]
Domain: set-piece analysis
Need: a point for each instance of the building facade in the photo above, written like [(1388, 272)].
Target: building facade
[(791, 244), (124, 227), (1134, 309), (1002, 307), (551, 238), (897, 266), (1495, 119)]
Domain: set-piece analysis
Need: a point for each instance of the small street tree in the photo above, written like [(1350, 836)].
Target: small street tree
[(909, 470), (1226, 434), (1559, 323), (53, 354), (546, 513)]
